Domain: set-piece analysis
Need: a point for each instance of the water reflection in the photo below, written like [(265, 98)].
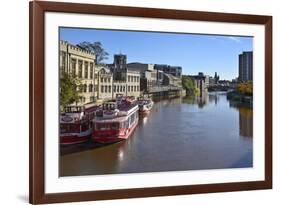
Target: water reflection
[(245, 118), (190, 133)]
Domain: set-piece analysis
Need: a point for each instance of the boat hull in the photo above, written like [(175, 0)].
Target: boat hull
[(69, 139), (115, 137), (144, 111)]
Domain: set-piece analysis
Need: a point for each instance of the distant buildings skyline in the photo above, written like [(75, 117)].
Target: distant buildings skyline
[(193, 52)]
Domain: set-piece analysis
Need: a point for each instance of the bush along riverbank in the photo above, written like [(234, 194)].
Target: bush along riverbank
[(242, 94)]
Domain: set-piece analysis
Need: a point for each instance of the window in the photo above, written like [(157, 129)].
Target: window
[(81, 88), (80, 64), (138, 88), (109, 80), (109, 89), (129, 77), (135, 88), (85, 88), (73, 66), (114, 88), (105, 88), (91, 70), (117, 88), (129, 88), (124, 88), (102, 89), (91, 88), (86, 70), (101, 79), (105, 80), (63, 57), (115, 126), (102, 126)]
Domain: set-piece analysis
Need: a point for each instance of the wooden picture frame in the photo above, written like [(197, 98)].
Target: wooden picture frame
[(37, 9)]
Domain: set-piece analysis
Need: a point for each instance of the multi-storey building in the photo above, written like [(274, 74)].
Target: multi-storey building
[(246, 66), (80, 63), (104, 80), (124, 78), (171, 80), (148, 76), (173, 70)]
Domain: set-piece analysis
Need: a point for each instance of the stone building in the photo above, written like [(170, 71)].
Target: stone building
[(133, 83), (171, 80), (104, 80), (122, 76), (80, 63), (148, 76), (200, 83)]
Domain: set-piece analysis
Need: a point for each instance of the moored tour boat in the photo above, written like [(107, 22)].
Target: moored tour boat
[(76, 124), (145, 105), (116, 121)]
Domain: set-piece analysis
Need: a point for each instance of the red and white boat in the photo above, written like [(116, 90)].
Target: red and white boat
[(116, 121), (76, 124), (145, 105)]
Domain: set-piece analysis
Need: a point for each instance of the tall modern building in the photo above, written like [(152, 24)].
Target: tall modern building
[(246, 66)]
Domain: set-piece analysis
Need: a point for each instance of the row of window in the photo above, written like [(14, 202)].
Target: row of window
[(105, 80), (84, 88), (107, 88), (87, 73), (133, 78)]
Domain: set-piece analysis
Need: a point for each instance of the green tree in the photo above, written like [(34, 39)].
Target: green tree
[(189, 85), (68, 90), (97, 48)]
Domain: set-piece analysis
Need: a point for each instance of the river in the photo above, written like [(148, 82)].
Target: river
[(188, 133)]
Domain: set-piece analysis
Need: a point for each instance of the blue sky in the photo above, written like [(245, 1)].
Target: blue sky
[(195, 53)]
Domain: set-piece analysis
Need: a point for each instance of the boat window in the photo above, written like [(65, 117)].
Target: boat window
[(124, 124), (115, 126), (102, 126), (84, 126), (69, 128), (63, 128)]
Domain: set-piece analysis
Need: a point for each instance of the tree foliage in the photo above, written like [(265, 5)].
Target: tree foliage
[(189, 85), (97, 48), (68, 89), (245, 88)]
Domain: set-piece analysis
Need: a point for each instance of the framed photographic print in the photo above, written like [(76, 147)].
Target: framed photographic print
[(138, 102)]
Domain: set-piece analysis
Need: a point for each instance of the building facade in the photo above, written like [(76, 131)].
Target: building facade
[(104, 81), (200, 83), (246, 66), (80, 63), (171, 80), (173, 70), (148, 76), (125, 81)]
